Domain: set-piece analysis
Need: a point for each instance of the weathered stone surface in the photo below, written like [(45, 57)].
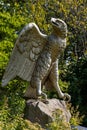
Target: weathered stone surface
[(35, 55), (37, 111)]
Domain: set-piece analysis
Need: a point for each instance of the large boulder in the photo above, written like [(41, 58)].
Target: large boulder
[(42, 113)]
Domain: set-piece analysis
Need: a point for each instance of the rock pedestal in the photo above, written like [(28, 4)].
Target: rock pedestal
[(37, 111)]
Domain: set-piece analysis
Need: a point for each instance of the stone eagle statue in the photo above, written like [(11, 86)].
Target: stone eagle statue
[(35, 58)]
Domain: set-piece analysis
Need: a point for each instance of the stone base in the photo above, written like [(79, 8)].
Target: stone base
[(38, 111)]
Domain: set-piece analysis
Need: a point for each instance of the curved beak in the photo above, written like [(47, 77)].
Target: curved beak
[(53, 19)]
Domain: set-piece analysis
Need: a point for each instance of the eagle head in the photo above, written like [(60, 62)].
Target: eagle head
[(59, 26)]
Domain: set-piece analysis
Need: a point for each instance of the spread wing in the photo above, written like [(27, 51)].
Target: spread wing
[(28, 47)]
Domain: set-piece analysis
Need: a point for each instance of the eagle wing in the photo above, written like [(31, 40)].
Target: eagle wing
[(26, 51)]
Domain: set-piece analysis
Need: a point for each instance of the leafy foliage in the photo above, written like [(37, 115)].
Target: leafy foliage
[(77, 74), (60, 123), (14, 15)]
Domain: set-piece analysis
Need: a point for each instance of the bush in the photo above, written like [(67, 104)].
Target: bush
[(59, 123)]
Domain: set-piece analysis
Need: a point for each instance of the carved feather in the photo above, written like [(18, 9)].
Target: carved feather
[(28, 47)]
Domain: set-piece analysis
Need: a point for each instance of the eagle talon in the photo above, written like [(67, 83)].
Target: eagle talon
[(67, 97), (43, 99)]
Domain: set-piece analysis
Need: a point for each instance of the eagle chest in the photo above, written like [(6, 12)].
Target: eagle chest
[(56, 46)]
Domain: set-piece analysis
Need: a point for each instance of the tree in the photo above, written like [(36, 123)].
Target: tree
[(13, 17)]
